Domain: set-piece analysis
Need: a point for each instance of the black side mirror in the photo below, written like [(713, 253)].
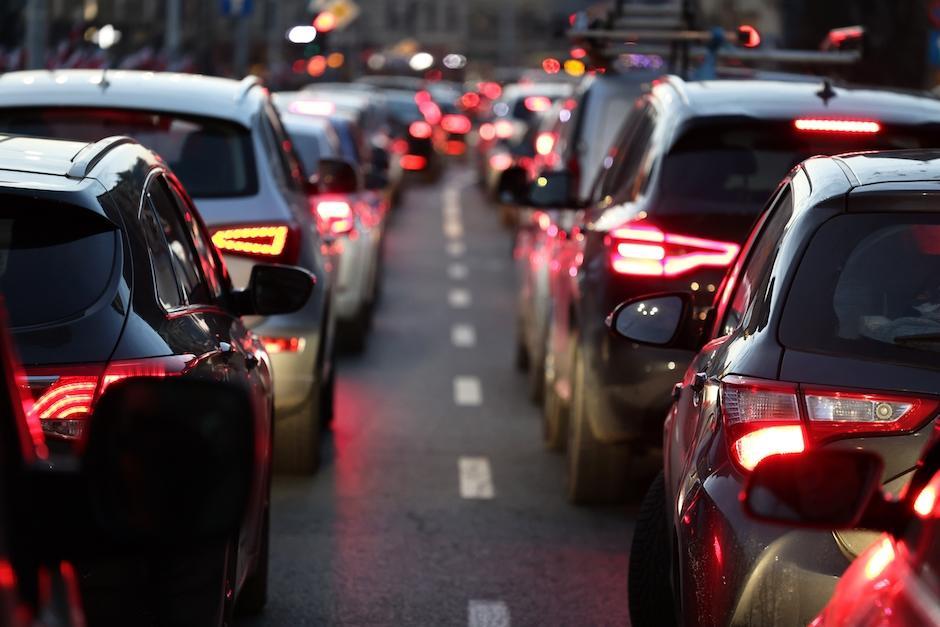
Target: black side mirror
[(336, 176), (513, 186), (553, 190), (169, 461), (818, 489), (657, 320), (275, 289)]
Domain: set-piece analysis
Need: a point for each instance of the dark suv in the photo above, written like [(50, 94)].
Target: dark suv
[(108, 273), (691, 169)]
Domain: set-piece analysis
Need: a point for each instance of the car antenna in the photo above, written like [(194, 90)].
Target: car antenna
[(827, 92)]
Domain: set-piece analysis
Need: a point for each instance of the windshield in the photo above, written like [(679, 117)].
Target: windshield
[(212, 158)]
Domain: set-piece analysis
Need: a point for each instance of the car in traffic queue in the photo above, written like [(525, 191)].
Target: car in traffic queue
[(413, 143), (132, 287), (822, 336), (350, 207), (686, 178), (225, 141)]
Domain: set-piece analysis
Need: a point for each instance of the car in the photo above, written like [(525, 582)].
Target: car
[(131, 287), (226, 142), (352, 211), (413, 136), (822, 336), (894, 582), (678, 194)]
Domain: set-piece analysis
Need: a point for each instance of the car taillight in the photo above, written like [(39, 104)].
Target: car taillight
[(501, 161), (456, 123), (276, 345), (537, 104), (334, 216), (639, 249), (853, 127), (487, 131), (273, 243), (764, 418), (455, 147), (504, 129), (431, 112), (413, 162), (545, 143), (63, 396), (420, 130)]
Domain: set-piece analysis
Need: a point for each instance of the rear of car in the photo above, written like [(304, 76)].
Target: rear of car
[(412, 135), (671, 213)]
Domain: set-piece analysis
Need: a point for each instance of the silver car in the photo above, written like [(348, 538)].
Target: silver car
[(225, 141)]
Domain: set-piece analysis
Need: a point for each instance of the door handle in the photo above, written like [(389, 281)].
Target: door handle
[(698, 382), (226, 350)]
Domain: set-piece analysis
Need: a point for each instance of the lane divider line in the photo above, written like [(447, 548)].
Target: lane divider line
[(487, 614), (468, 392), (476, 478), (463, 335), (459, 298), (458, 271), (456, 248)]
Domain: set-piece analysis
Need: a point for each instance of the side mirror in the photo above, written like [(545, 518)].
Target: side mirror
[(656, 320), (169, 461), (275, 289), (513, 186), (553, 190), (818, 489), (335, 176)]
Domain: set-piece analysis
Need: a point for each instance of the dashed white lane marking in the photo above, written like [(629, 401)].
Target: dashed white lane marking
[(459, 298), (463, 335), (456, 249), (467, 391), (453, 229), (458, 271), (487, 614), (476, 478)]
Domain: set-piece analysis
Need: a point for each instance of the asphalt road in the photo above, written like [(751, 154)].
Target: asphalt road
[(436, 503)]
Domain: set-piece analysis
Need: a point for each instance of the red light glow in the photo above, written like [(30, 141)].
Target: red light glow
[(751, 36), (501, 162), (538, 104), (504, 129), (487, 132), (334, 216), (325, 22), (879, 559), (643, 250), (470, 100), (420, 130), (545, 143), (413, 162), (551, 65), (811, 125), (755, 446), (578, 53), (456, 124), (455, 147), (275, 345)]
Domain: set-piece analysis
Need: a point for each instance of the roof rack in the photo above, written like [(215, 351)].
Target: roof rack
[(89, 156), (246, 85)]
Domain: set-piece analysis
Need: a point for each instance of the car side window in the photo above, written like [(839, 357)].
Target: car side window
[(208, 260), (183, 255), (285, 150), (749, 301), (628, 177), (161, 259)]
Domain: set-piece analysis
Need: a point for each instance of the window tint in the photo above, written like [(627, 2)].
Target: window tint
[(209, 260), (869, 287), (183, 256), (750, 302), (285, 150), (625, 177), (161, 260), (48, 274)]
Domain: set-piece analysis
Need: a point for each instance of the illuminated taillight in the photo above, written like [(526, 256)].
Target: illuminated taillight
[(431, 112), (312, 107), (764, 418), (878, 558), (276, 345), (854, 127), (504, 129), (64, 396), (487, 132), (413, 162), (420, 130), (491, 90), (456, 123), (334, 216), (470, 100), (501, 161), (639, 249), (274, 243), (537, 104), (545, 143), (400, 146)]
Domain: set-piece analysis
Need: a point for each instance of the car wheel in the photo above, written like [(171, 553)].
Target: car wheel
[(554, 419), (597, 472), (649, 584), (297, 439), (254, 593)]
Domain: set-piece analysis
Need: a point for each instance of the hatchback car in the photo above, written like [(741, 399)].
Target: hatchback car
[(226, 142), (683, 184), (823, 335), (108, 273)]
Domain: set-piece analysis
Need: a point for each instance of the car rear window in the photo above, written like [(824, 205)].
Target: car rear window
[(735, 167), (212, 158), (869, 287), (404, 110), (56, 261)]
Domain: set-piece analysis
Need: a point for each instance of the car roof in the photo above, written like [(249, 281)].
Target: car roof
[(183, 94), (785, 100), (895, 166), (38, 155)]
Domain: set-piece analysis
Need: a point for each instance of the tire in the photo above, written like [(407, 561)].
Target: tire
[(353, 334), (649, 581), (297, 439), (554, 420), (597, 472), (254, 593), (536, 378)]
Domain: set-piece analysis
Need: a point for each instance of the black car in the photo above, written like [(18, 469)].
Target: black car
[(108, 273), (688, 175), (823, 336)]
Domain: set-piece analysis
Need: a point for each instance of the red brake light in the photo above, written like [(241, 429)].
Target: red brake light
[(334, 216), (639, 249), (470, 100), (750, 36), (501, 161), (431, 112), (274, 242), (276, 345), (420, 130), (538, 104), (811, 125), (456, 123), (413, 162), (455, 147), (491, 90), (545, 143)]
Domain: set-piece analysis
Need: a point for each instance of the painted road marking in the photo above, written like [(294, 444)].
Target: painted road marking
[(456, 249), (476, 478), (463, 335), (487, 614), (453, 229), (458, 271), (450, 207), (467, 391), (459, 298)]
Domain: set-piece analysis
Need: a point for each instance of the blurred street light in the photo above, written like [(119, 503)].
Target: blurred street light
[(421, 61), (302, 34), (574, 67), (455, 61), (325, 22), (107, 36)]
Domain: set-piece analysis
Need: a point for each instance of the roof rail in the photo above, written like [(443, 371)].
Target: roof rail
[(246, 85), (89, 156)]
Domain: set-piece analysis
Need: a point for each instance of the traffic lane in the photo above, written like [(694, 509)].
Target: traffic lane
[(382, 534)]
